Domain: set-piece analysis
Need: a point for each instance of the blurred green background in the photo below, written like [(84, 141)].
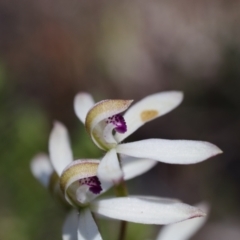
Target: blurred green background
[(50, 50)]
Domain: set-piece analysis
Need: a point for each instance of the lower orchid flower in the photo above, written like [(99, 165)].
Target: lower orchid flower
[(81, 186), (42, 168)]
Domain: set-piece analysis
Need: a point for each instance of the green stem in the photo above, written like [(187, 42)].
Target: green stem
[(121, 191), (123, 230)]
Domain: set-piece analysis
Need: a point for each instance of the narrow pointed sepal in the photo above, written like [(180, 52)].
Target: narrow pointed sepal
[(149, 108), (59, 148), (109, 169), (133, 167), (42, 169), (170, 151), (146, 210), (184, 230), (87, 228), (70, 226), (83, 102)]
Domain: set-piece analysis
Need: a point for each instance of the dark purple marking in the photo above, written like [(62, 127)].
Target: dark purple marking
[(93, 183), (119, 122)]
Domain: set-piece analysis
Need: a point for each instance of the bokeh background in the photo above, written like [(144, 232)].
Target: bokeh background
[(52, 49)]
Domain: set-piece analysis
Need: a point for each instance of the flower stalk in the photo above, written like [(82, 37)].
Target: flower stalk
[(121, 191), (121, 188), (123, 230)]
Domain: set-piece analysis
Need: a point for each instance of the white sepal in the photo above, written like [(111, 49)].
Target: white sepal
[(87, 228), (59, 147), (145, 210), (170, 151), (70, 226), (149, 108), (184, 230), (83, 102), (133, 167), (109, 169), (41, 168)]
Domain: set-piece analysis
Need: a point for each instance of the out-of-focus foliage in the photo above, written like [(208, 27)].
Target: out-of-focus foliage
[(27, 209), (23, 131)]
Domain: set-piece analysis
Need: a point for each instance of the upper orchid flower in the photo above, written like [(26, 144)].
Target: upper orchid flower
[(80, 185), (108, 128)]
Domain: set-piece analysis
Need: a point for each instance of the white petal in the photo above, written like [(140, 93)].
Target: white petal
[(133, 167), (87, 228), (82, 104), (109, 169), (183, 230), (145, 210), (59, 147), (41, 168), (170, 151), (149, 108), (70, 226)]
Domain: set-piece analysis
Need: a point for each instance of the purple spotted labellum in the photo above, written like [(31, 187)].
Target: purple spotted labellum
[(93, 183), (119, 122)]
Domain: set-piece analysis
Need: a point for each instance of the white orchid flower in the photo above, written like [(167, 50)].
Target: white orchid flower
[(81, 186), (108, 129), (147, 210), (184, 230)]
